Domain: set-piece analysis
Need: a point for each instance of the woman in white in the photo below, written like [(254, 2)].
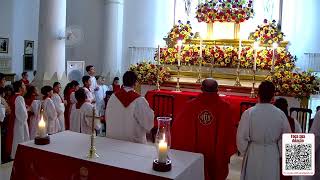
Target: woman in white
[(21, 129), (81, 114), (58, 104), (259, 137), (50, 112)]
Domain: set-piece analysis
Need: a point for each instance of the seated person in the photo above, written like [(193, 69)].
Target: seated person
[(129, 115), (206, 123)]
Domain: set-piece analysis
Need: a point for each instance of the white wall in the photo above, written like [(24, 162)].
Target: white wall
[(146, 22), (25, 21), (88, 15), (6, 22)]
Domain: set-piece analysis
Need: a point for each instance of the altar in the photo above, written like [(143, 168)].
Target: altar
[(65, 158)]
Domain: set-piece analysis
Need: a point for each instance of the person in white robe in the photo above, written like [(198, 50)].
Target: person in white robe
[(59, 104), (82, 115), (21, 129), (50, 113), (315, 129), (100, 94), (2, 116), (86, 86), (91, 72), (35, 118), (128, 115), (259, 137)]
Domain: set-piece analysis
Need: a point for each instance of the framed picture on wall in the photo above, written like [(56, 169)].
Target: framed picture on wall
[(4, 45), (28, 62), (28, 47)]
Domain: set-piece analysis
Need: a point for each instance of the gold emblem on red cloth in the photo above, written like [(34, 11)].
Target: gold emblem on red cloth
[(84, 172), (205, 117)]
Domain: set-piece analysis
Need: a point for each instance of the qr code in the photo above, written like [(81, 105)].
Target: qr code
[(298, 156)]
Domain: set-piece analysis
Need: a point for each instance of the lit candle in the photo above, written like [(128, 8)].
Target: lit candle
[(159, 55), (274, 45), (42, 130), (256, 47), (163, 150), (179, 52)]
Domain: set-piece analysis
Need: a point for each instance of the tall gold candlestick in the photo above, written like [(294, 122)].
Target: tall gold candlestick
[(92, 151), (158, 77), (178, 79), (199, 70), (252, 93), (237, 83)]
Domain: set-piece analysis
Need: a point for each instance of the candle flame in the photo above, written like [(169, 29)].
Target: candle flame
[(42, 123), (179, 43), (275, 45)]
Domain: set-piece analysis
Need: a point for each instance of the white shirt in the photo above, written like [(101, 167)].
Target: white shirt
[(93, 83), (259, 139), (21, 129), (90, 95), (81, 119), (59, 105), (129, 123), (100, 94), (51, 116)]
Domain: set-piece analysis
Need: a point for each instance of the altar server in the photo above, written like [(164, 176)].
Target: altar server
[(315, 129), (59, 104), (205, 126), (18, 130), (100, 94), (69, 97), (259, 137), (34, 107), (86, 80), (91, 72), (81, 114), (128, 115), (49, 109)]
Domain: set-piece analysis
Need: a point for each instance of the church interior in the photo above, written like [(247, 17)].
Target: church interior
[(159, 89)]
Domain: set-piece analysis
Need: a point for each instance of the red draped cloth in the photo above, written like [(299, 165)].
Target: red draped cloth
[(11, 120), (126, 98), (205, 126), (116, 87), (68, 108)]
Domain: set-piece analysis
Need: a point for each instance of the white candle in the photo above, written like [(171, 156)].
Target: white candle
[(200, 46), (179, 52), (256, 47), (240, 49), (42, 130), (163, 151), (274, 45), (159, 55)]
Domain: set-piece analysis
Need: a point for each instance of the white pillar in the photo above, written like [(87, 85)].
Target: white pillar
[(51, 49), (113, 39)]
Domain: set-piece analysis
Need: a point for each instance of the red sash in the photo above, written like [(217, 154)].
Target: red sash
[(116, 88), (11, 120), (126, 98), (67, 111)]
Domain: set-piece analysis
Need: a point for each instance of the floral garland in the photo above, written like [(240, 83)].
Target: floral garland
[(181, 32), (225, 11), (147, 73), (290, 83), (227, 56), (267, 33)]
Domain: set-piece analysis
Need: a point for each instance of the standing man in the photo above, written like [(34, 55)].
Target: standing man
[(259, 137), (91, 72), (129, 115), (208, 127)]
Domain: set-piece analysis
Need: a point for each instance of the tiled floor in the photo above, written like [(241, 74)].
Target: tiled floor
[(234, 171)]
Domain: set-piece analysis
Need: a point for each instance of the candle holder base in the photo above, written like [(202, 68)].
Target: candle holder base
[(42, 140), (161, 167)]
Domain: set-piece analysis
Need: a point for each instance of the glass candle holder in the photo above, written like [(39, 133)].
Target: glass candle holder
[(163, 139)]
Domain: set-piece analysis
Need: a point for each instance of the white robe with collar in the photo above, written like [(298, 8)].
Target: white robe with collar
[(259, 140), (21, 129), (129, 123), (51, 116), (35, 118), (90, 95), (315, 129), (59, 105), (81, 119)]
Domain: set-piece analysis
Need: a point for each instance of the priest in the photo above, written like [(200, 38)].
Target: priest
[(205, 126), (259, 137), (18, 130), (128, 115)]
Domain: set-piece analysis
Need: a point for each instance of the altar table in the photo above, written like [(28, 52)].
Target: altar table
[(65, 158), (180, 99)]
